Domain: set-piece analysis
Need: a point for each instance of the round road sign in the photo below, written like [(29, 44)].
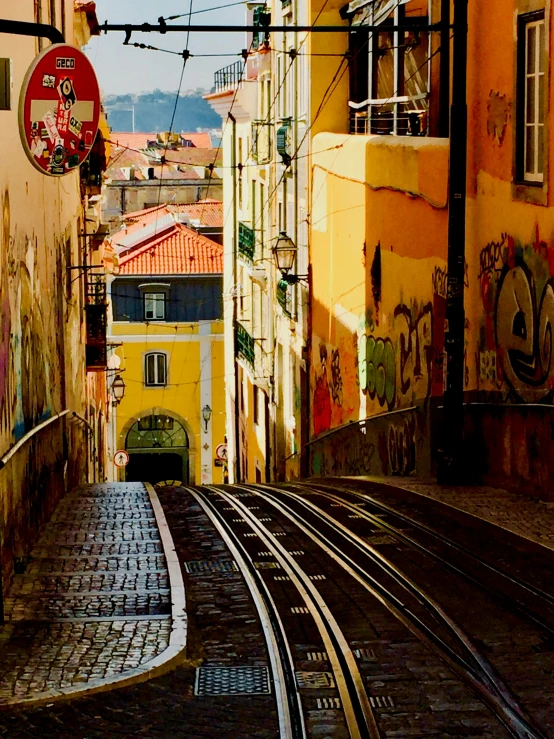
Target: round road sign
[(121, 458), (59, 110), (221, 451)]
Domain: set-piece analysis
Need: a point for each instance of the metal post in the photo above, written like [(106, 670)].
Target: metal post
[(450, 468), (236, 445)]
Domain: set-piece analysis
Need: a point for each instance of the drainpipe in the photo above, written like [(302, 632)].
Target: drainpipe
[(37, 30), (444, 70), (236, 461), (450, 464)]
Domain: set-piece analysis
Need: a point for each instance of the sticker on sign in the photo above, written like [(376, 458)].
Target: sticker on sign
[(60, 95)]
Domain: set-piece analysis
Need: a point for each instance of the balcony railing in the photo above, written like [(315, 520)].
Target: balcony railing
[(229, 78), (398, 117), (261, 142), (247, 241), (245, 347), (285, 296)]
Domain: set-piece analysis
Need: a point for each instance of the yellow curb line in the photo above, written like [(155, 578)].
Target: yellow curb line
[(167, 660)]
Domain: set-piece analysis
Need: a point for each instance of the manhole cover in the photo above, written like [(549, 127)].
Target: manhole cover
[(232, 681), (315, 680), (199, 566)]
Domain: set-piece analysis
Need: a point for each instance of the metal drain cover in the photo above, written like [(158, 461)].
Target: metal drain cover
[(199, 566), (232, 681)]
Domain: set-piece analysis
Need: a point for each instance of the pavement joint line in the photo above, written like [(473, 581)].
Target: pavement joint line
[(91, 594), (99, 573), (103, 557), (96, 619), (166, 660)]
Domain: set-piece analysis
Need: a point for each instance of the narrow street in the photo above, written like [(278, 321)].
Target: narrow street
[(336, 608)]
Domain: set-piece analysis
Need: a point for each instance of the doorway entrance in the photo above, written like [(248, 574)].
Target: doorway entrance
[(158, 448)]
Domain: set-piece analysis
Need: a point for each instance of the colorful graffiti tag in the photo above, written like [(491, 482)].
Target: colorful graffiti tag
[(516, 346)]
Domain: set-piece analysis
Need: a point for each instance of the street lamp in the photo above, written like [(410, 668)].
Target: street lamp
[(285, 251), (118, 389), (206, 415)]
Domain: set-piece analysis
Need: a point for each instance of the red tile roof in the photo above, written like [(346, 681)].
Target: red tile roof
[(208, 213), (179, 252), (140, 140)]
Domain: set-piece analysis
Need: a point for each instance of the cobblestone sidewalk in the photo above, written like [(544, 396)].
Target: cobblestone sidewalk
[(533, 519), (94, 602)]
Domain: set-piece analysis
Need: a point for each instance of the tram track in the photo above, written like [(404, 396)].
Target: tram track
[(289, 709), (471, 666), (402, 537), (358, 713)]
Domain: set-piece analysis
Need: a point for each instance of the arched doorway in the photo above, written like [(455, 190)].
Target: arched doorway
[(158, 448)]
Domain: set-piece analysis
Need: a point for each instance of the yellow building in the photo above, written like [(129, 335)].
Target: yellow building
[(379, 209), (167, 333)]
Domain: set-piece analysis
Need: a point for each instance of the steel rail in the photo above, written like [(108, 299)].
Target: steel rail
[(401, 536), (493, 695), (360, 720), (291, 719), (490, 675)]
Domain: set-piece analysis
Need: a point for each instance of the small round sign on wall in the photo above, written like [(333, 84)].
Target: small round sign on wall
[(121, 458), (59, 110)]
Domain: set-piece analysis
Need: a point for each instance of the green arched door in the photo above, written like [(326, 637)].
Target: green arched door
[(158, 450)]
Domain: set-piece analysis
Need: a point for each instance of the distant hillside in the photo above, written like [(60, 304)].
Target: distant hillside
[(153, 112)]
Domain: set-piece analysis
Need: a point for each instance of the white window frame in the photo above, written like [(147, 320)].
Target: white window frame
[(154, 376), (533, 126), (154, 303)]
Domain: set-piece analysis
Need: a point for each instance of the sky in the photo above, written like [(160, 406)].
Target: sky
[(125, 69)]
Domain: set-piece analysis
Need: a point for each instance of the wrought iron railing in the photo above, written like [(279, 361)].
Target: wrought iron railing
[(95, 285), (229, 77), (245, 346), (400, 118), (285, 296), (247, 241)]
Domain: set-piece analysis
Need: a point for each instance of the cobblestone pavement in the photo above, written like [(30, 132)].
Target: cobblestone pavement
[(531, 518), (223, 632), (94, 601)]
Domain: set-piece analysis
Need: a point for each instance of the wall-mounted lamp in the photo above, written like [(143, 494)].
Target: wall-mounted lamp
[(118, 390), (285, 251), (206, 415)]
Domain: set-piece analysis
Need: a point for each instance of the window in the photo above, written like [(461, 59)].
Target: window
[(154, 306), (531, 99), (155, 369), (255, 405)]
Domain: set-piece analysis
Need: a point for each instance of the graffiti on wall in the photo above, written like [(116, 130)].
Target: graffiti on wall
[(397, 448), (515, 350)]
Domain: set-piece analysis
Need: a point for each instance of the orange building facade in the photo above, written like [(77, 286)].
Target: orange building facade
[(378, 249)]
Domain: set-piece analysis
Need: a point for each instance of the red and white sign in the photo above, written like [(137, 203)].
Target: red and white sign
[(221, 451), (121, 458), (59, 110)]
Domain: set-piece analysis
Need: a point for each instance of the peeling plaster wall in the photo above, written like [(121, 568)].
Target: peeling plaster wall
[(42, 369), (378, 327)]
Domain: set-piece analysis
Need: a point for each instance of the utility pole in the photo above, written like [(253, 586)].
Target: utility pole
[(451, 463)]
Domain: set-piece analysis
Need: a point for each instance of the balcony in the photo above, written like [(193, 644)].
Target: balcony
[(247, 241), (285, 297), (261, 19), (229, 78), (245, 346), (261, 142), (96, 319), (401, 117)]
